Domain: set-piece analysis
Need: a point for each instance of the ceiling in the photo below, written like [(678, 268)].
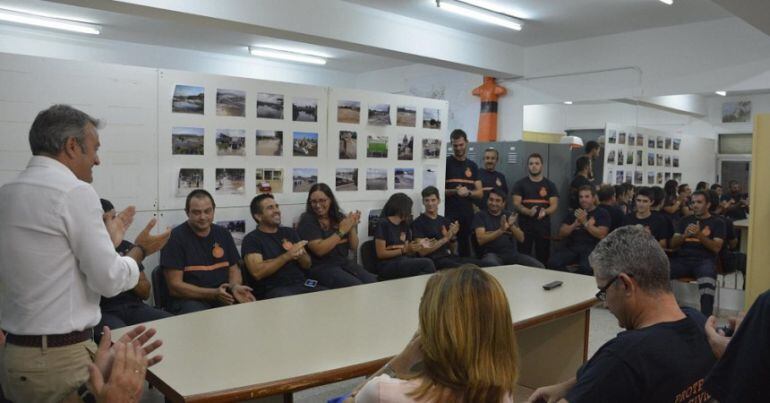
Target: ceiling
[(550, 21)]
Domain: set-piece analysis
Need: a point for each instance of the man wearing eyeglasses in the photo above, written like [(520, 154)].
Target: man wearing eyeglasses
[(663, 356)]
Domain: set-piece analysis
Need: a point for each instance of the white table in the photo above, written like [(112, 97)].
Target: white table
[(288, 344)]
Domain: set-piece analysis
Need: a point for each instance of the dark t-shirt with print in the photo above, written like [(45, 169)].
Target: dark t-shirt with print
[(535, 194), (655, 224), (665, 362), (742, 374), (615, 213), (494, 180), (713, 227), (270, 246), (204, 260), (580, 236), (310, 229), (504, 243), (460, 173), (432, 228), (392, 234)]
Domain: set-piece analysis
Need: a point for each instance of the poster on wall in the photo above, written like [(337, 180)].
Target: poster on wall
[(269, 180), (231, 142), (612, 137), (303, 179), (269, 106), (348, 145), (403, 178), (431, 149), (376, 179), (406, 148), (188, 99), (188, 180), (187, 141), (304, 109), (431, 118), (429, 176), (305, 144), (736, 112), (346, 179), (230, 181), (269, 143), (406, 116), (377, 147), (236, 228), (348, 111), (379, 115), (231, 102)]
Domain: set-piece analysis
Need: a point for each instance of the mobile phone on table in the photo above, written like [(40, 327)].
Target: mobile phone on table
[(553, 284)]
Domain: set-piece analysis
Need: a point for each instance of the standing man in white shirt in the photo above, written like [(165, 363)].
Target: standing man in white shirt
[(57, 258)]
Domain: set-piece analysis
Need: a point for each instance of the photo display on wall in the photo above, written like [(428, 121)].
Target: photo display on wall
[(640, 156)]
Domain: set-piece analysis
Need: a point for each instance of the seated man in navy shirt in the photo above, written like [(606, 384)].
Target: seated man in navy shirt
[(497, 232), (655, 224), (200, 261), (663, 356), (606, 195), (127, 308), (699, 238), (275, 256), (440, 233), (581, 231)]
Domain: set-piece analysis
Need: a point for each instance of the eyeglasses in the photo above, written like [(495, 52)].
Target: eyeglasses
[(602, 294)]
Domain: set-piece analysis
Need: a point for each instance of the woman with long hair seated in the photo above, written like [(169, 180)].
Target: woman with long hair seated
[(397, 253), (331, 236), (464, 350)]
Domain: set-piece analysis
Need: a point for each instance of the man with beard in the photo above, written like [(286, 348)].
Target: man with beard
[(490, 178), (736, 202), (655, 224), (200, 261), (536, 198), (699, 238), (581, 231), (462, 184), (275, 256)]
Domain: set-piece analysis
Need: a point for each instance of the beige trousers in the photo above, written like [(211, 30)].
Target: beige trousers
[(44, 374)]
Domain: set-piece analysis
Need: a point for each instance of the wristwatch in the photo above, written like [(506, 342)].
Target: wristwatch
[(340, 234)]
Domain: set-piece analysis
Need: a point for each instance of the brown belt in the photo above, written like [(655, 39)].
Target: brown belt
[(52, 340)]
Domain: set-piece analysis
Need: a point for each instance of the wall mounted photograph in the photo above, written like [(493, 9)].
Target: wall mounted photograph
[(236, 228), (305, 144), (431, 149), (348, 112), (346, 179), (650, 177), (406, 148), (618, 177), (187, 141), (429, 176), (269, 106), (304, 109), (231, 102), (736, 112), (377, 146), (403, 178), (638, 177), (611, 157), (431, 118), (188, 99), (348, 145), (303, 179), (188, 180), (231, 142), (230, 181), (269, 180), (376, 179), (379, 115), (406, 116), (621, 160), (677, 143), (651, 159), (639, 155), (639, 140), (651, 142), (269, 143), (622, 138), (612, 137)]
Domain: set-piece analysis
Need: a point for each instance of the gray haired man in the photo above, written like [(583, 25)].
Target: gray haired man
[(663, 356), (57, 258)]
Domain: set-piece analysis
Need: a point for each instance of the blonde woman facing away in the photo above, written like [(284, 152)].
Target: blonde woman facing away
[(464, 350)]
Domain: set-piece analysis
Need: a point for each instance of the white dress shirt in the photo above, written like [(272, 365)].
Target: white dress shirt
[(56, 257)]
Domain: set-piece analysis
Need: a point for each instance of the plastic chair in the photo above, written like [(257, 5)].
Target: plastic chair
[(369, 256), (160, 291)]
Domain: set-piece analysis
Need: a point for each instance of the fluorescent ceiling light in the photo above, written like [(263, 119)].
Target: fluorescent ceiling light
[(273, 53), (721, 93), (667, 2), (466, 9), (48, 22), (567, 102)]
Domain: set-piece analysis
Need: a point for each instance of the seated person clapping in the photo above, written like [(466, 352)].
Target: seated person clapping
[(397, 252), (497, 232), (464, 349), (331, 236)]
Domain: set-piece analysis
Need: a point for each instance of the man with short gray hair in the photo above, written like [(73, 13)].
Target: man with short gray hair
[(57, 258), (663, 356)]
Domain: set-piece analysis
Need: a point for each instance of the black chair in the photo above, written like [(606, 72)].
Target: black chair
[(369, 256), (160, 291)]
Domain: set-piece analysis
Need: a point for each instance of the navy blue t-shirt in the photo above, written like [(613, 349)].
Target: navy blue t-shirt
[(391, 233), (535, 194), (205, 260), (125, 297), (736, 212), (581, 236), (660, 363), (432, 228), (713, 227), (460, 173), (270, 246), (742, 374), (504, 243), (655, 224), (615, 213), (310, 229), (493, 180)]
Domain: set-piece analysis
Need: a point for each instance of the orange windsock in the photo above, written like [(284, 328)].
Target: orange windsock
[(489, 92)]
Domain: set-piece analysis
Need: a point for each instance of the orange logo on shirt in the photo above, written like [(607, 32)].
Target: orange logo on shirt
[(498, 182), (403, 237), (286, 244), (543, 191), (217, 251), (706, 230), (468, 173)]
